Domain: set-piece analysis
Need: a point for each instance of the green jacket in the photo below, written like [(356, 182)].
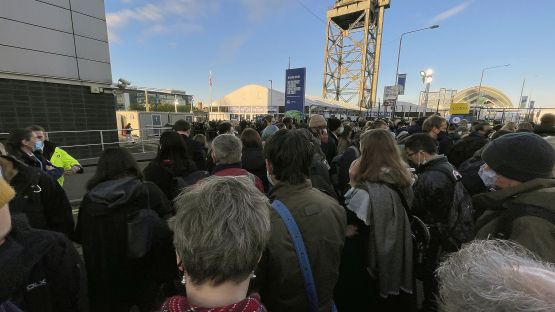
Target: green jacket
[(323, 225), (534, 233), (62, 159)]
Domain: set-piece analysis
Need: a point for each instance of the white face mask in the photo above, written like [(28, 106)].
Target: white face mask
[(488, 177)]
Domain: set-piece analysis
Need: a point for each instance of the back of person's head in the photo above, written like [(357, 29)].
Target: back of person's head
[(421, 142), (268, 119), (35, 128), (15, 138), (220, 229), (280, 125), (290, 155), (174, 149), (225, 127), (452, 127), (420, 120), (548, 120), (464, 123), (380, 152), (496, 122), (526, 126), (432, 122), (227, 149), (511, 126), (201, 139), (238, 129), (114, 163), (500, 133), (481, 126), (287, 120), (551, 140), (181, 125), (303, 125), (378, 124), (495, 275), (251, 138)]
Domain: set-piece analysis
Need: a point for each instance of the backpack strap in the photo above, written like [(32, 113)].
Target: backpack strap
[(357, 151), (504, 226), (295, 234)]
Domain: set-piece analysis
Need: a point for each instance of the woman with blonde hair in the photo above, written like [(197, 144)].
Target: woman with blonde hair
[(377, 202), (511, 126)]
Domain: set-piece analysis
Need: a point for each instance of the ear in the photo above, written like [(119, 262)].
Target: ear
[(269, 167), (179, 261), (213, 157)]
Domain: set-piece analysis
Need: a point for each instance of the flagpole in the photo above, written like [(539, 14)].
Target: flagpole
[(210, 108)]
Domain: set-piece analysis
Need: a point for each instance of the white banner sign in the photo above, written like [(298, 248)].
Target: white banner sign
[(390, 93)]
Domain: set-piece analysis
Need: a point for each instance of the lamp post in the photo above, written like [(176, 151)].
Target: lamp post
[(401, 42), (427, 79), (530, 98), (522, 90), (271, 92), (480, 88)]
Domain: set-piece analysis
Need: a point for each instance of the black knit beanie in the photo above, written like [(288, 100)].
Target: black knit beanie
[(520, 156), (333, 124)]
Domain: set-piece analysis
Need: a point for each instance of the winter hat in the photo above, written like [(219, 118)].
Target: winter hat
[(317, 121), (6, 193), (334, 124), (520, 156), (268, 131)]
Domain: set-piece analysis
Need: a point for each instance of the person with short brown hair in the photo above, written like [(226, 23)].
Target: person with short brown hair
[(547, 126), (436, 127)]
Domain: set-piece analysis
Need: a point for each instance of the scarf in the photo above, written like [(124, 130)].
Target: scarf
[(180, 304)]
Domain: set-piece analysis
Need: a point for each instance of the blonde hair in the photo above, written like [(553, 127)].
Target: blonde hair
[(511, 126), (379, 151)]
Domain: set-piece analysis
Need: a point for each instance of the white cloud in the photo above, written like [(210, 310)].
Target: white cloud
[(452, 12)]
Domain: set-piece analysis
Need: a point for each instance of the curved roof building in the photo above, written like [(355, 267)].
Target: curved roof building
[(494, 97)]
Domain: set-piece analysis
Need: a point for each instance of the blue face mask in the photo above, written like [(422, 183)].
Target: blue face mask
[(38, 146), (341, 130), (269, 178)]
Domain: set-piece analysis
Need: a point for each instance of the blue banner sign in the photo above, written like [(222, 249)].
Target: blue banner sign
[(401, 81), (295, 82), (532, 104), (456, 119), (234, 109), (523, 102)]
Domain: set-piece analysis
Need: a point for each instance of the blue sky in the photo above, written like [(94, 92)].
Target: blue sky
[(175, 43)]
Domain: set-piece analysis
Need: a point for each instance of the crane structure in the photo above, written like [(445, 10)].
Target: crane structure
[(353, 44)]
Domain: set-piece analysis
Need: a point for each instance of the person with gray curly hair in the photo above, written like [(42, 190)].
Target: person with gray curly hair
[(220, 229), (495, 275)]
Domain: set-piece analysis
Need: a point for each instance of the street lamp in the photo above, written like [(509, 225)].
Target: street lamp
[(520, 100), (401, 42), (427, 79), (480, 87), (271, 92)]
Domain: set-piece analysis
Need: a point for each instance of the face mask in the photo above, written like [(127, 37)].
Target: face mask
[(341, 130), (38, 146), (441, 135), (488, 133), (269, 178), (421, 163), (489, 177)]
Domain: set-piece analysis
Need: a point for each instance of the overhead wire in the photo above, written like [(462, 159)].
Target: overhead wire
[(311, 11)]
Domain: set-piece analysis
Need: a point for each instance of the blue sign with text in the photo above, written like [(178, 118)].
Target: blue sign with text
[(295, 82), (401, 81), (456, 119)]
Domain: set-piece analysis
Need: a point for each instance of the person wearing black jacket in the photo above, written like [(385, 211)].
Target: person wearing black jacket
[(465, 148), (183, 127), (24, 144), (172, 161), (39, 270), (335, 129), (251, 156), (433, 194), (119, 277), (42, 200)]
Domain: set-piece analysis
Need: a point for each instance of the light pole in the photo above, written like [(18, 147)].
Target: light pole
[(401, 42), (480, 88), (427, 79), (271, 91), (530, 98), (520, 100)]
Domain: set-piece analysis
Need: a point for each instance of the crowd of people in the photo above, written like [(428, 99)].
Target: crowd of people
[(320, 214)]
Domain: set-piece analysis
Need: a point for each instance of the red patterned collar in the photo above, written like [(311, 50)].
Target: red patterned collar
[(180, 304)]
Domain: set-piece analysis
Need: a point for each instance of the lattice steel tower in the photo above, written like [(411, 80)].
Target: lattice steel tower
[(353, 44)]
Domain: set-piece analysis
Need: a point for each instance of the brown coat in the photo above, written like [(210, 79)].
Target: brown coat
[(323, 224)]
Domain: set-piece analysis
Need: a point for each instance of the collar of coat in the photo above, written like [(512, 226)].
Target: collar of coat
[(520, 194), (285, 189)]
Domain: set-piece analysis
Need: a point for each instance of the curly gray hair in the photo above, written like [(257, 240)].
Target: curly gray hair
[(220, 229), (495, 275)]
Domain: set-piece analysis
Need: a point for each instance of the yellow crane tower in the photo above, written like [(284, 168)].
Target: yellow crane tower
[(353, 44)]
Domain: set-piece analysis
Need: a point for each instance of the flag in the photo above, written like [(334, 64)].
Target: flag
[(210, 78), (482, 99)]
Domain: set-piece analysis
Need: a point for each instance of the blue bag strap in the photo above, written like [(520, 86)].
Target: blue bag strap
[(301, 253)]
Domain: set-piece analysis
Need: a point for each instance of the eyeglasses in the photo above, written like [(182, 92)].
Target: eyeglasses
[(409, 155)]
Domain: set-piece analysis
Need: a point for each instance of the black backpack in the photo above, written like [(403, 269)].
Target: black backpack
[(470, 177), (457, 226), (179, 182)]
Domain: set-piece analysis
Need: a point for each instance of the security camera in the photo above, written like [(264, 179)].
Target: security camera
[(123, 81)]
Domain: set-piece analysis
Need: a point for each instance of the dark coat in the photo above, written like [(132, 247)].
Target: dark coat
[(533, 233), (41, 164), (42, 200), (41, 271), (445, 146), (455, 136), (194, 149), (332, 147), (253, 161), (416, 128), (433, 191), (319, 175), (544, 130), (235, 170), (163, 176), (116, 283), (465, 148), (323, 224)]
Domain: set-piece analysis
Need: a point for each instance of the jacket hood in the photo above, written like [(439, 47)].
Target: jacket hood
[(435, 163), (252, 158), (116, 192)]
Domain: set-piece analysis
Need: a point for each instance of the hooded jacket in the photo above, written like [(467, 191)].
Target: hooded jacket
[(323, 224), (116, 283), (465, 148), (533, 233), (42, 200), (41, 271)]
